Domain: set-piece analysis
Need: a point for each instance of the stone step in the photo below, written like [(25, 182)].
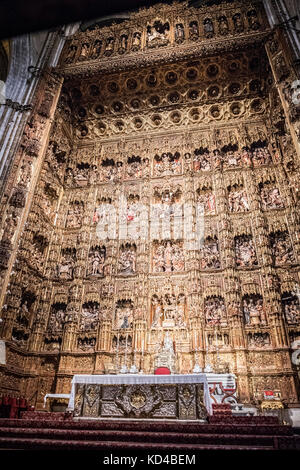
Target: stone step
[(137, 436), (45, 444)]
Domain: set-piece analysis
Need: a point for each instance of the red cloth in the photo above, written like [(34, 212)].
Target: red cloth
[(162, 371)]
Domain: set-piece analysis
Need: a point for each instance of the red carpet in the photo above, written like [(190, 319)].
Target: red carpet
[(53, 432)]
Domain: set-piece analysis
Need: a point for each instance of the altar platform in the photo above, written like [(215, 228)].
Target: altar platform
[(176, 396)]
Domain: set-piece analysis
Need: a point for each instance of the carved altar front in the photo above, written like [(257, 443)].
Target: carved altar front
[(140, 397)]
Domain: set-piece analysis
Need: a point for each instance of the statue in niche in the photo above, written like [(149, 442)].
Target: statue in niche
[(210, 256), (180, 320), (260, 153), (253, 20), (66, 265), (254, 313), (215, 311), (86, 343), (238, 23), (157, 312), (124, 314), (89, 316), (246, 157), (134, 167), (71, 54), (259, 340), (24, 314), (168, 257), (84, 52), (202, 160), (231, 156), (167, 164), (75, 214), (216, 159), (123, 44), (291, 308), (206, 199), (179, 33), (57, 317), (96, 49), (245, 251), (109, 47), (237, 199), (136, 41), (25, 174), (270, 197), (157, 35), (109, 170), (127, 259), (97, 257), (208, 28), (223, 25), (81, 174), (193, 31), (281, 247)]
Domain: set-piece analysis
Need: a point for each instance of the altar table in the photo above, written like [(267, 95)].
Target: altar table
[(176, 396)]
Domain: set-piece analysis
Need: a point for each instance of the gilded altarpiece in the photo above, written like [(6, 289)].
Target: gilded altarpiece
[(175, 117)]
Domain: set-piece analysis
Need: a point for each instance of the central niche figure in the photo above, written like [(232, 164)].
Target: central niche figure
[(127, 259), (244, 251), (253, 309), (168, 256), (215, 311), (97, 257), (124, 314), (237, 199), (210, 256), (89, 316), (206, 199), (168, 310)]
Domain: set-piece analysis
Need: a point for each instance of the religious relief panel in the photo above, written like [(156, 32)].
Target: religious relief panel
[(127, 259), (75, 214), (97, 256), (121, 343), (210, 254), (137, 167), (111, 170), (83, 174), (193, 30), (89, 316), (253, 310), (86, 343), (124, 314), (259, 340), (215, 311), (158, 34), (237, 198), (260, 153), (167, 164), (281, 247), (245, 253), (179, 33), (291, 308), (168, 256), (48, 201), (65, 269), (206, 200), (270, 196), (57, 317), (39, 247), (168, 311)]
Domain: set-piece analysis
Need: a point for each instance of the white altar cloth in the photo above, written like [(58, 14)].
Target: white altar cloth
[(55, 395), (135, 379)]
